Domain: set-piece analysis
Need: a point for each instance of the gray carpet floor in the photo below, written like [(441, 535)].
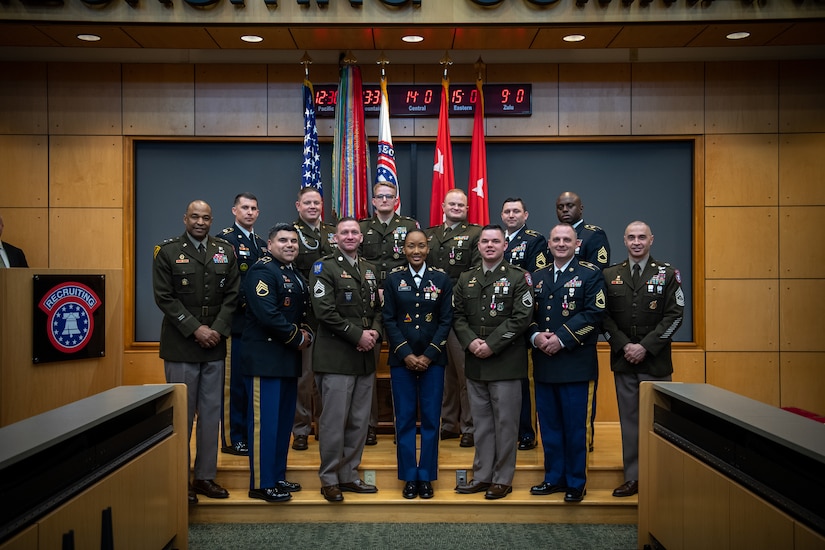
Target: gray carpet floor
[(402, 536)]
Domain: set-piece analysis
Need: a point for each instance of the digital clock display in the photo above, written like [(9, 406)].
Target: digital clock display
[(424, 100)]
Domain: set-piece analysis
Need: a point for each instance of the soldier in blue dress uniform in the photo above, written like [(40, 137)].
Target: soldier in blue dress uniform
[(248, 248), (417, 316), (570, 303), (273, 337)]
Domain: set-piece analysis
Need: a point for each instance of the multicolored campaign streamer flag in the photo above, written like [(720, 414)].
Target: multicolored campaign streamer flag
[(350, 156)]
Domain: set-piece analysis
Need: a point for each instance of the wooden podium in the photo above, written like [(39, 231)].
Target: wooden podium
[(26, 388)]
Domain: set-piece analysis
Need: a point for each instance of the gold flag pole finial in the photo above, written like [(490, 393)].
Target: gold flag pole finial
[(383, 61), (446, 61), (306, 61), (349, 58), (479, 67)]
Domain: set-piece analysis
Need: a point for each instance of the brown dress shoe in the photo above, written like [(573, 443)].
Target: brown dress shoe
[(299, 443), (209, 488), (332, 493), (627, 489), (472, 487), (358, 486), (467, 440), (497, 490)]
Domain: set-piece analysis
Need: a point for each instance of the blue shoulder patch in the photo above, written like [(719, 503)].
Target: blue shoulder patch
[(317, 267)]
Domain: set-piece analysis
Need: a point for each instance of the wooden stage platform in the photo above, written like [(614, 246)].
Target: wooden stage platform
[(599, 506)]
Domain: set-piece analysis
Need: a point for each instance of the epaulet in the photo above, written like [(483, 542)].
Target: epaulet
[(473, 225), (588, 265), (532, 233), (222, 240), (399, 268), (227, 230), (437, 269), (325, 258), (514, 266), (169, 240), (592, 227), (264, 259), (327, 225)]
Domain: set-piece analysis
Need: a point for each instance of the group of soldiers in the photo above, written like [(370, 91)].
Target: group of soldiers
[(469, 313)]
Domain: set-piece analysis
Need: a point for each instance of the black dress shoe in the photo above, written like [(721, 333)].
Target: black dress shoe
[(467, 440), (209, 488), (574, 495), (472, 487), (410, 490), (332, 493), (449, 435), (425, 489), (358, 486), (372, 438), (287, 486), (299, 443), (498, 490), (240, 449), (526, 443), (627, 489), (270, 494), (193, 498), (545, 488)]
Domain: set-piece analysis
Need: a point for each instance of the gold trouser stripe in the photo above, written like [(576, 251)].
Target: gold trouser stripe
[(256, 427), (591, 395)]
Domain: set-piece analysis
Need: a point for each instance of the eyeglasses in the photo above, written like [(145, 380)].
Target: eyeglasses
[(384, 197)]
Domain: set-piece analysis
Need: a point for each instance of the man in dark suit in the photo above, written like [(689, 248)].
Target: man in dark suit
[(346, 303), (195, 280), (493, 307), (248, 248), (417, 318), (454, 248), (10, 255), (645, 307), (527, 249), (273, 337), (570, 303)]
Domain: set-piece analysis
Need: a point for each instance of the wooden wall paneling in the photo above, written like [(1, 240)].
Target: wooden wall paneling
[(158, 99), (143, 366), (594, 99), (285, 112), (606, 408), (28, 228), (86, 171), (756, 524), (802, 380), (544, 120), (29, 389), (802, 169), (688, 364), (23, 98), (801, 302), (230, 100), (707, 506), (665, 487), (801, 89), (741, 97), (458, 74), (741, 242), (667, 98), (741, 170), (805, 538), (86, 238), (85, 98), (799, 256), (24, 170), (742, 315), (752, 374)]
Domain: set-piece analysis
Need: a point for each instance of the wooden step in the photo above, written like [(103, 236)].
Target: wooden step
[(599, 506)]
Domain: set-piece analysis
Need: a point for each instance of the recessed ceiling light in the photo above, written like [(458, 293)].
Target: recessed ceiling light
[(88, 37), (574, 38), (412, 38), (738, 35), (252, 38)]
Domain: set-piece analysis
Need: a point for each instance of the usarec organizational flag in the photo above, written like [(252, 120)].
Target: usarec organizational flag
[(385, 166), (443, 175), (311, 168), (478, 210)]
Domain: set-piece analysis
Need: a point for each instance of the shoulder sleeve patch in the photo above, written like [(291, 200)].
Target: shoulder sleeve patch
[(318, 267)]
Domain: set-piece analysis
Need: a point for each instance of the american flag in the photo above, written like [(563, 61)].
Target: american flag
[(311, 168), (385, 170)]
